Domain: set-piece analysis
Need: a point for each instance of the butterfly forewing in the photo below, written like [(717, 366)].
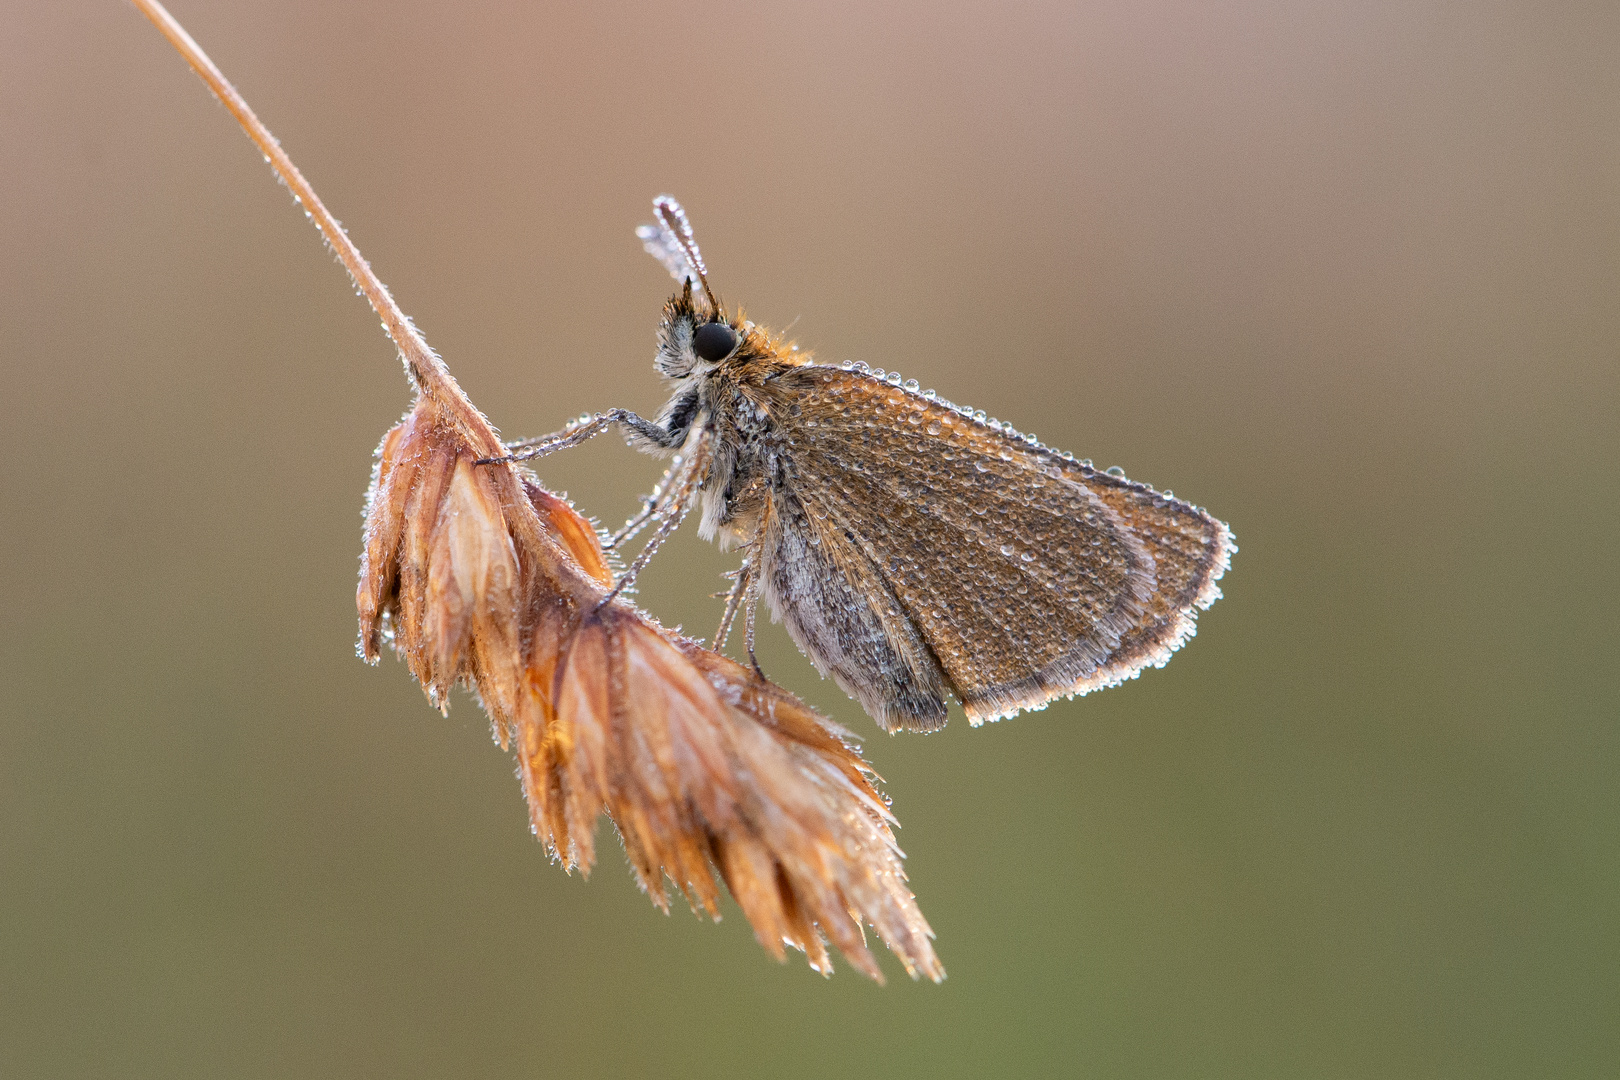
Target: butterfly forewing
[(1024, 580), (962, 577)]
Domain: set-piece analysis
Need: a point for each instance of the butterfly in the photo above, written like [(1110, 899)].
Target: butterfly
[(915, 550)]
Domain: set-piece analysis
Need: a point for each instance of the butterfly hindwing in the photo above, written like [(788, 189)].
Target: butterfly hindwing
[(840, 611)]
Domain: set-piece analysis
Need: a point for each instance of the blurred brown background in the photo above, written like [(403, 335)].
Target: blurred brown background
[(1344, 273)]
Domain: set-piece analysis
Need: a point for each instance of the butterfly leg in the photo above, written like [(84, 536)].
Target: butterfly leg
[(744, 577), (744, 596), (684, 492), (651, 506), (751, 607), (750, 584), (572, 435), (734, 599), (581, 430)]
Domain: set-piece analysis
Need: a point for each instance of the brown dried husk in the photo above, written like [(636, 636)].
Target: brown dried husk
[(711, 774)]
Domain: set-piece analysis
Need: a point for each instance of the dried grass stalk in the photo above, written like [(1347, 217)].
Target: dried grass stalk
[(480, 576)]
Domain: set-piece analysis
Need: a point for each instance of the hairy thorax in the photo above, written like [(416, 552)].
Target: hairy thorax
[(743, 409)]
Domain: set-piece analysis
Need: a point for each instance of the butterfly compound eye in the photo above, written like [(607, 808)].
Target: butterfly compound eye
[(714, 341)]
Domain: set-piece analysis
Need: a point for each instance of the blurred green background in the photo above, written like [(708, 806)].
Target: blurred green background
[(1344, 274)]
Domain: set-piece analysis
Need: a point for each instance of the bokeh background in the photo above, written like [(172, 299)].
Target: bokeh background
[(1347, 274)]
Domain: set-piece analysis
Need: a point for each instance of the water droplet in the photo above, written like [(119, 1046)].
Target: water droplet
[(894, 377), (1007, 549), (1114, 470), (933, 427)]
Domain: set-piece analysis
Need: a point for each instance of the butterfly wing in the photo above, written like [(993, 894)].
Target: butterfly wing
[(1025, 576), (847, 618), (1190, 549)]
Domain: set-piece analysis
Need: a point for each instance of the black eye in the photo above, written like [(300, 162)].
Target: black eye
[(714, 341)]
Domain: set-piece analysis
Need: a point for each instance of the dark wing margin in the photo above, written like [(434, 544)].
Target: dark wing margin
[(1191, 550)]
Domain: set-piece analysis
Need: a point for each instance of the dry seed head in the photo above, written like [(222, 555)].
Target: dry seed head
[(711, 775)]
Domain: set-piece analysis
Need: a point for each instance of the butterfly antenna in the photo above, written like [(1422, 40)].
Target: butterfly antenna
[(674, 222)]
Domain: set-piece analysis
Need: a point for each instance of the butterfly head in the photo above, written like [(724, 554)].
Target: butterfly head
[(694, 339)]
